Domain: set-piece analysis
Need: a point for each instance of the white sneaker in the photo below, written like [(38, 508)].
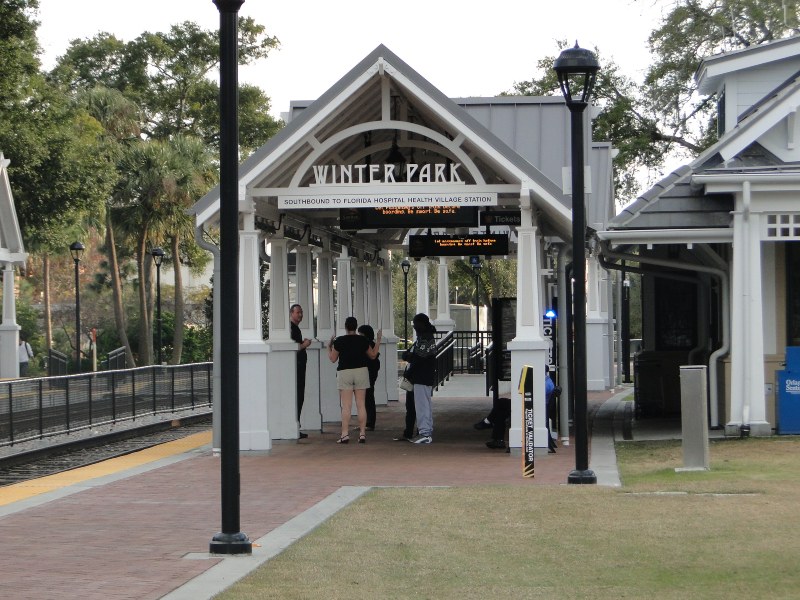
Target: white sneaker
[(422, 439)]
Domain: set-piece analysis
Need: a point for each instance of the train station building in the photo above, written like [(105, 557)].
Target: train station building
[(335, 188)]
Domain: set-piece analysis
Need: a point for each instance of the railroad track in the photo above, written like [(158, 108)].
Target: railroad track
[(82, 452)]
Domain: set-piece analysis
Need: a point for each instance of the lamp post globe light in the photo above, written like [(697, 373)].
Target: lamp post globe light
[(158, 258), (405, 265), (76, 250), (577, 69)]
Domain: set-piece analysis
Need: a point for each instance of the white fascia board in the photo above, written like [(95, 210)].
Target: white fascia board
[(16, 258), (667, 236), (451, 120), (298, 138), (746, 58), (759, 182)]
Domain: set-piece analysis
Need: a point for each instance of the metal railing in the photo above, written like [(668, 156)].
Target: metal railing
[(56, 363), (444, 359), (469, 348), (47, 406)]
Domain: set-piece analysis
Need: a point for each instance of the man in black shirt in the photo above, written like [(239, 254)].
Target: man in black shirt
[(296, 316)]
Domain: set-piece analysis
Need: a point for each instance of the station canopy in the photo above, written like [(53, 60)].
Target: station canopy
[(380, 154)]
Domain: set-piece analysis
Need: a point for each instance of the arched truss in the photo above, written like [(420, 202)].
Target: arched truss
[(443, 145)]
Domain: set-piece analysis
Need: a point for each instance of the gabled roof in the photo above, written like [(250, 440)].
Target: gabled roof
[(737, 150), (374, 92), (11, 247), (712, 69)]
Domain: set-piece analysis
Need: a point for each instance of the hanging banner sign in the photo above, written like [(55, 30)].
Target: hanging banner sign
[(407, 216), (401, 199)]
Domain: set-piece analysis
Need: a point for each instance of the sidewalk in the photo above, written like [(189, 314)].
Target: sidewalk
[(144, 532)]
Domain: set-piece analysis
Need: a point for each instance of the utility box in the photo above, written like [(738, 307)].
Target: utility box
[(694, 417), (788, 409)]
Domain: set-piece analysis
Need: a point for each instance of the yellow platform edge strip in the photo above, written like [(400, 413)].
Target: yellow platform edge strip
[(34, 487)]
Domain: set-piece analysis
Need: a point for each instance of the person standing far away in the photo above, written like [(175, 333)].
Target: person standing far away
[(422, 356), (353, 352), (296, 316), (25, 355), (373, 366)]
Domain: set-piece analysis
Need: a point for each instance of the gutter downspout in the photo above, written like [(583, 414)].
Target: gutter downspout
[(725, 297), (216, 376)]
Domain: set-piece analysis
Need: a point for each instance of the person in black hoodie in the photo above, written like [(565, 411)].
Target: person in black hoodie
[(374, 365), (422, 358)]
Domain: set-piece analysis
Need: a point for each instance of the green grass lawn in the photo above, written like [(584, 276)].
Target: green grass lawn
[(730, 532)]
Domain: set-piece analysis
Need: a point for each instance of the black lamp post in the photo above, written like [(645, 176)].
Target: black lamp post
[(577, 71), (76, 249), (405, 265), (158, 258), (231, 540)]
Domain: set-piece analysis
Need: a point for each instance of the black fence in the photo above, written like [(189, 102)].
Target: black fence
[(46, 406)]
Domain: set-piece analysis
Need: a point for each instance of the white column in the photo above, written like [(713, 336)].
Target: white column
[(328, 396), (387, 378), (372, 292), (748, 404), (279, 290), (529, 347), (443, 322), (360, 292), (282, 359), (311, 417), (254, 431), (344, 304), (596, 329), (9, 330), (423, 293)]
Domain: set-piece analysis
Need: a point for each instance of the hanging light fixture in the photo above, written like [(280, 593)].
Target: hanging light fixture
[(397, 159)]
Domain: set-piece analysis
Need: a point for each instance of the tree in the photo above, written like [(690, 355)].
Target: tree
[(168, 76), (168, 165), (663, 115)]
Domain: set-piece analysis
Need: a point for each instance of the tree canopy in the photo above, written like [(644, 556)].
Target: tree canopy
[(663, 114)]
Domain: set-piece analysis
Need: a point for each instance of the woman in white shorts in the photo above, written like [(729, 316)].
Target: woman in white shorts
[(352, 375)]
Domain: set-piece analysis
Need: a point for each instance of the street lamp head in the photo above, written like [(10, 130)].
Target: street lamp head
[(577, 71), (158, 255), (405, 265), (76, 249)]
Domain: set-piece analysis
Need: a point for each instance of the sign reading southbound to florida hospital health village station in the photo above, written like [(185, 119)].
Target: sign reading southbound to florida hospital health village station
[(347, 186), (367, 200)]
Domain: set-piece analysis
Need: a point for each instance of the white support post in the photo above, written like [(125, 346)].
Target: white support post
[(254, 426), (328, 396), (360, 292), (529, 347), (344, 297), (423, 293), (443, 321), (311, 417), (282, 358)]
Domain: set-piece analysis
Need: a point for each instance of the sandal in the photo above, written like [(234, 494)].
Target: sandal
[(362, 439), (343, 440)]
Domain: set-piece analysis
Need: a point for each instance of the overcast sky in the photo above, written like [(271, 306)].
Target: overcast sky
[(462, 48)]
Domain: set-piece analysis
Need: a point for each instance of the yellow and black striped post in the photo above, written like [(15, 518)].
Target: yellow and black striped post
[(526, 391)]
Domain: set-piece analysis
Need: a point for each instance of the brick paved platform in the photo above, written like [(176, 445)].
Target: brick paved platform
[(128, 535)]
